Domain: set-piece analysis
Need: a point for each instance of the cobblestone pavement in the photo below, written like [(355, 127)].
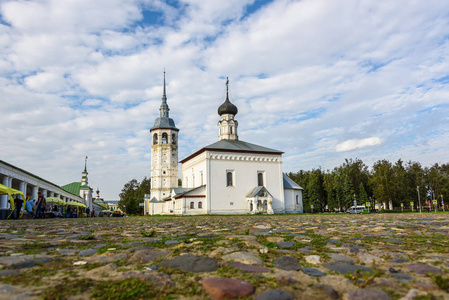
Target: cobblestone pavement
[(377, 256)]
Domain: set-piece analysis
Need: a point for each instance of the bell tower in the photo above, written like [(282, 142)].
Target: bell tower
[(164, 152)]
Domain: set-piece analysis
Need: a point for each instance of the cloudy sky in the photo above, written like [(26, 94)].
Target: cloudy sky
[(321, 80)]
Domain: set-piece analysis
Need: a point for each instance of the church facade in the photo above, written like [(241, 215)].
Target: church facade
[(227, 177)]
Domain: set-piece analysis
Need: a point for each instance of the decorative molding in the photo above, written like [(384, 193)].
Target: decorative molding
[(245, 157)]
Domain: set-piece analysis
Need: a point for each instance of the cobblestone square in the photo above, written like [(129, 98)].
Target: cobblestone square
[(322, 256)]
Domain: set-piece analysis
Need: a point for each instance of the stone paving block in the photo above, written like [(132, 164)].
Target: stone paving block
[(221, 288)]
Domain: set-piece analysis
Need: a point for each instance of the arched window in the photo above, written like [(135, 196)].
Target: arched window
[(260, 179), (297, 199), (192, 205), (173, 139), (229, 179), (155, 139), (200, 204), (164, 138)]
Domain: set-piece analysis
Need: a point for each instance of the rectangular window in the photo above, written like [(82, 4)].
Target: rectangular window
[(260, 178), (229, 178)]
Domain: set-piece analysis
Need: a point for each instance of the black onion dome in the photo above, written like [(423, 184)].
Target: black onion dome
[(227, 108)]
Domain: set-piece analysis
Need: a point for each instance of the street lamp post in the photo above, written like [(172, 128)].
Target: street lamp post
[(355, 202), (442, 202), (431, 196), (419, 200), (338, 199)]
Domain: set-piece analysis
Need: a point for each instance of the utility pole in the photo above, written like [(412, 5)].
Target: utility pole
[(419, 200)]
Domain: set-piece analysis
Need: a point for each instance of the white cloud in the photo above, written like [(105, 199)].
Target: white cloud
[(85, 78), (357, 144)]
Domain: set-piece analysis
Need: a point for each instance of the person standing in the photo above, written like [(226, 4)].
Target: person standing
[(18, 202), (29, 206), (40, 202)]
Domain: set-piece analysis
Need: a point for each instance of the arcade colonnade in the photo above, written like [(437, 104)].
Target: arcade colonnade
[(30, 184)]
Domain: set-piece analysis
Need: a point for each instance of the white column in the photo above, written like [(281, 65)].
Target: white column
[(4, 198), (44, 193), (270, 210), (254, 200), (34, 193), (23, 188)]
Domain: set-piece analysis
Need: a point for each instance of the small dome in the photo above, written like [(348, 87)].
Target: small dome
[(227, 108)]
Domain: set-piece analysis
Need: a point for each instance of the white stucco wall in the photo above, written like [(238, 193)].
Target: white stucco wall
[(245, 167), (290, 200)]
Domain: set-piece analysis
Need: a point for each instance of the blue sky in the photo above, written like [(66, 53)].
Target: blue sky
[(320, 80)]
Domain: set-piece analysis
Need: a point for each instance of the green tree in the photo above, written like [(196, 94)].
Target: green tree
[(315, 190), (383, 181), (333, 187), (400, 183), (348, 193), (363, 196), (414, 178), (132, 194)]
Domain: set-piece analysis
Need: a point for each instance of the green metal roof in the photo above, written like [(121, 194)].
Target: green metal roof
[(73, 188)]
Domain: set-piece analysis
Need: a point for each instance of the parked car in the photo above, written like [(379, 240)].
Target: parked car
[(356, 209)]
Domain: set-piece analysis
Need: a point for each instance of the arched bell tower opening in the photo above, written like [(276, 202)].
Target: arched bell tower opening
[(164, 153)]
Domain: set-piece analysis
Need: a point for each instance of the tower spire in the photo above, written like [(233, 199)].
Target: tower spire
[(164, 109), (85, 164), (227, 88)]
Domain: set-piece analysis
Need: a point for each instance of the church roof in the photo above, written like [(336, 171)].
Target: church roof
[(73, 188), (154, 200), (227, 107), (289, 183), (258, 191), (164, 122), (182, 191), (234, 146)]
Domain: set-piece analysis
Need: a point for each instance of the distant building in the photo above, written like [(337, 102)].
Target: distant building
[(112, 205), (81, 188), (226, 177)]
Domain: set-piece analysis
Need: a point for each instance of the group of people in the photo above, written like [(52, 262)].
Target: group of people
[(37, 209), (30, 206)]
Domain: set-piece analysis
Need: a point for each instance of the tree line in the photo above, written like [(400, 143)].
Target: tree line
[(384, 183), (132, 194)]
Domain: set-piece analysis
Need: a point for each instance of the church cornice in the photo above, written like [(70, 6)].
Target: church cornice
[(164, 128), (248, 157), (228, 151)]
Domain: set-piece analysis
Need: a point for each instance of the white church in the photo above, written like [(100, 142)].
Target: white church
[(227, 177)]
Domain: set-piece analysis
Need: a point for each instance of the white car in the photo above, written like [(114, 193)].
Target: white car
[(356, 209)]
